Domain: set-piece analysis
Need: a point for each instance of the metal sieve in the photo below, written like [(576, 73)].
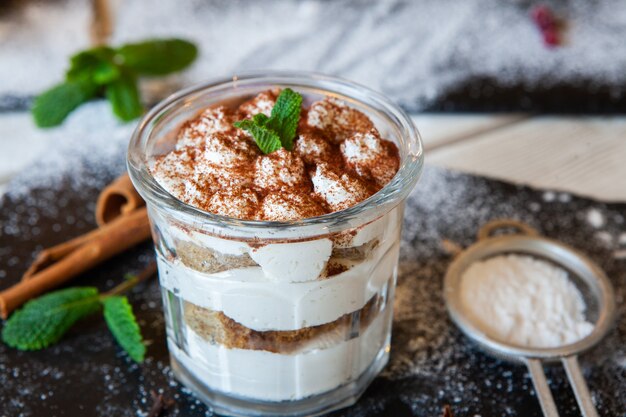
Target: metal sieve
[(591, 281)]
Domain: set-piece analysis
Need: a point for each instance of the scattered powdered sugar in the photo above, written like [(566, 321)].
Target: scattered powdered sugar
[(90, 136), (337, 119), (285, 205), (312, 148), (222, 150), (218, 119), (565, 197), (523, 301), (605, 238), (370, 156), (362, 147), (37, 38), (549, 196), (280, 169), (339, 190), (240, 203), (595, 218), (262, 103)]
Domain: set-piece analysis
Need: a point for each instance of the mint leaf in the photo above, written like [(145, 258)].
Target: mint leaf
[(267, 140), (96, 65), (285, 116), (105, 73), (260, 119), (158, 57), (119, 316), (52, 107), (103, 69), (44, 320), (124, 97), (279, 130)]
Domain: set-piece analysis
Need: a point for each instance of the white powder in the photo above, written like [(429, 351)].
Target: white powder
[(595, 218), (524, 301)]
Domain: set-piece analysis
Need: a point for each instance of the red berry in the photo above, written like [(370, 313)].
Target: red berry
[(543, 17), (550, 38)]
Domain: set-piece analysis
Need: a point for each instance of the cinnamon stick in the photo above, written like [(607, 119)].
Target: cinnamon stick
[(48, 256), (118, 198), (86, 252)]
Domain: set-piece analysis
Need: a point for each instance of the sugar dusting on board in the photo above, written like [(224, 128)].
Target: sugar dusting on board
[(431, 362), (91, 141)]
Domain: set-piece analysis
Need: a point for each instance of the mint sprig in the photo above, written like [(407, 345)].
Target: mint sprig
[(279, 130), (266, 139), (53, 106), (43, 321), (112, 73), (121, 321), (123, 95), (158, 57), (285, 116)]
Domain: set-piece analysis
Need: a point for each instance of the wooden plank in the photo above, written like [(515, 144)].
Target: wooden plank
[(439, 130), (584, 155)]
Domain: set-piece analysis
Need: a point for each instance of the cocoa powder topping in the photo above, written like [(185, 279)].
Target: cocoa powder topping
[(338, 160)]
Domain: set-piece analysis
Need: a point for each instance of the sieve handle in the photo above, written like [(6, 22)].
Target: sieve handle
[(541, 388), (494, 225), (581, 391)]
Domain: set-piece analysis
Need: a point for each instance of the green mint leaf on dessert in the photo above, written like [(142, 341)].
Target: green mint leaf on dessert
[(159, 56), (260, 119), (44, 320), (52, 107), (279, 130), (123, 95), (267, 140), (285, 116), (122, 323)]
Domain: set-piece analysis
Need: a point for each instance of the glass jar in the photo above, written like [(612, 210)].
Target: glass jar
[(276, 318)]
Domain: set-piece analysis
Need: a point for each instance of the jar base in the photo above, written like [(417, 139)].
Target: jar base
[(228, 405)]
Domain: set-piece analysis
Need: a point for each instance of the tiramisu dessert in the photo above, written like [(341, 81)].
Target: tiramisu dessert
[(264, 303)]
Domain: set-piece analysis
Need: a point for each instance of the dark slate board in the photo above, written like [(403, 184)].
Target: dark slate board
[(431, 365), (487, 94)]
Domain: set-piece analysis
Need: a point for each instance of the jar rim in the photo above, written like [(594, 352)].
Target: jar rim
[(373, 207)]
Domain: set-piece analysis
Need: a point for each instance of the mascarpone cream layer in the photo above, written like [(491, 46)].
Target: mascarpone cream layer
[(270, 376), (296, 261), (246, 295)]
